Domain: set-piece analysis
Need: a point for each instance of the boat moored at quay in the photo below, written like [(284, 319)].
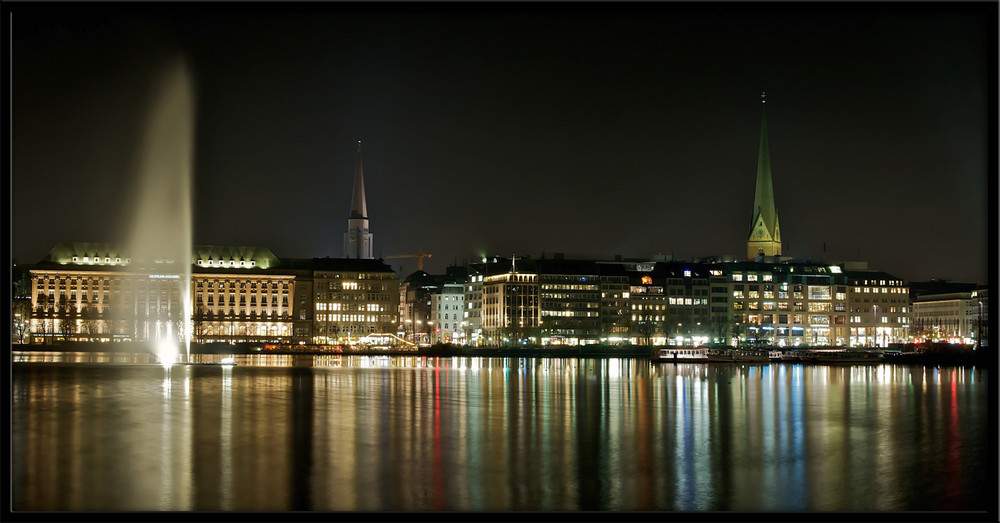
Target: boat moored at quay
[(758, 356), (827, 356), (706, 355)]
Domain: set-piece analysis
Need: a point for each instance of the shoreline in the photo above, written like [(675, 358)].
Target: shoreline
[(926, 358)]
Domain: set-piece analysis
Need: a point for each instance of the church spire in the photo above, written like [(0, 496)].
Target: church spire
[(359, 207), (764, 237), (358, 239)]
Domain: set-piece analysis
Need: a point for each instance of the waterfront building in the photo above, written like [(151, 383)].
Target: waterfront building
[(356, 301), (786, 303), (615, 304), (358, 240), (650, 318), (472, 316), (953, 317), (95, 292), (417, 315), (447, 307), (240, 296), (511, 313), (569, 301), (720, 308), (878, 305), (764, 238)]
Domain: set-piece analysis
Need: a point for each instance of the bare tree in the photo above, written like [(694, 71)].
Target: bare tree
[(89, 322), (20, 316), (646, 329)]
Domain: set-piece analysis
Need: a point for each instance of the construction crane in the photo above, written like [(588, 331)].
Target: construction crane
[(420, 255)]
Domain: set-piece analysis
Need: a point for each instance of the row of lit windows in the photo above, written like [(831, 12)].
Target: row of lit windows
[(882, 290), (571, 314), (368, 318), (688, 301), (370, 307), (569, 287)]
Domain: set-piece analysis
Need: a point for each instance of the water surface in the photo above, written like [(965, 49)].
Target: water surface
[(359, 433)]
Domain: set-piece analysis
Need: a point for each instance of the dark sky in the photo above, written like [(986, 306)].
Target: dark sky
[(587, 129)]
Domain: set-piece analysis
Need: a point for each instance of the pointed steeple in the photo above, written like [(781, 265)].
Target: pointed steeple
[(764, 237), (359, 207), (358, 239)]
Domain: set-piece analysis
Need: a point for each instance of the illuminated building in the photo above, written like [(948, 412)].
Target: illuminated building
[(569, 301), (241, 296), (615, 328), (417, 319), (878, 304), (953, 317), (356, 301), (358, 239), (473, 313), (510, 313), (93, 292), (787, 304), (649, 318), (447, 307), (765, 234)]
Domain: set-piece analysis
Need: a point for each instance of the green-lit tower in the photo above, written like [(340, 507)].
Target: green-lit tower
[(765, 235)]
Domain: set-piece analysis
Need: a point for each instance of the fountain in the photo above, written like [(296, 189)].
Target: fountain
[(160, 239)]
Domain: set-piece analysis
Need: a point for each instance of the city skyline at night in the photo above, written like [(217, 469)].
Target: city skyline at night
[(593, 130)]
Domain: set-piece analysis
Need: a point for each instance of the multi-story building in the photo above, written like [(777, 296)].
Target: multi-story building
[(954, 317), (239, 295), (235, 295), (786, 303), (417, 320), (615, 304), (473, 313), (650, 319), (878, 305), (569, 301), (92, 291), (447, 308), (511, 313), (355, 301)]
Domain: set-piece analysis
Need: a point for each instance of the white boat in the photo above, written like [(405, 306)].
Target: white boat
[(682, 355)]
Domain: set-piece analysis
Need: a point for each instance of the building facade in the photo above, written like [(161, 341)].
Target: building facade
[(355, 301), (955, 317)]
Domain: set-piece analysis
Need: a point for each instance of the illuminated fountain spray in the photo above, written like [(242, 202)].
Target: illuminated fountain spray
[(160, 239)]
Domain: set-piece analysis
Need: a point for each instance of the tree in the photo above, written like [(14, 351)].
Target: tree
[(89, 323), (67, 319), (20, 316)]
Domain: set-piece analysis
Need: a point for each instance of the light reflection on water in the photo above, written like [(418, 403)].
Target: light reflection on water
[(380, 433)]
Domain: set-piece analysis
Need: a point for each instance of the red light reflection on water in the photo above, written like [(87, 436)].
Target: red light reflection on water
[(438, 473), (953, 482)]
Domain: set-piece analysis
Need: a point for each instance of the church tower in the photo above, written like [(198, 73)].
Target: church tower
[(357, 239), (765, 235)]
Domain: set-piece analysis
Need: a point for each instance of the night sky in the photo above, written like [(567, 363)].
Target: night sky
[(586, 129)]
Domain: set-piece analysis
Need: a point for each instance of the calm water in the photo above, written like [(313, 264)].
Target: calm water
[(102, 432)]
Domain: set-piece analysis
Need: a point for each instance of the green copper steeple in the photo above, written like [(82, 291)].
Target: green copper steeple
[(765, 236)]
